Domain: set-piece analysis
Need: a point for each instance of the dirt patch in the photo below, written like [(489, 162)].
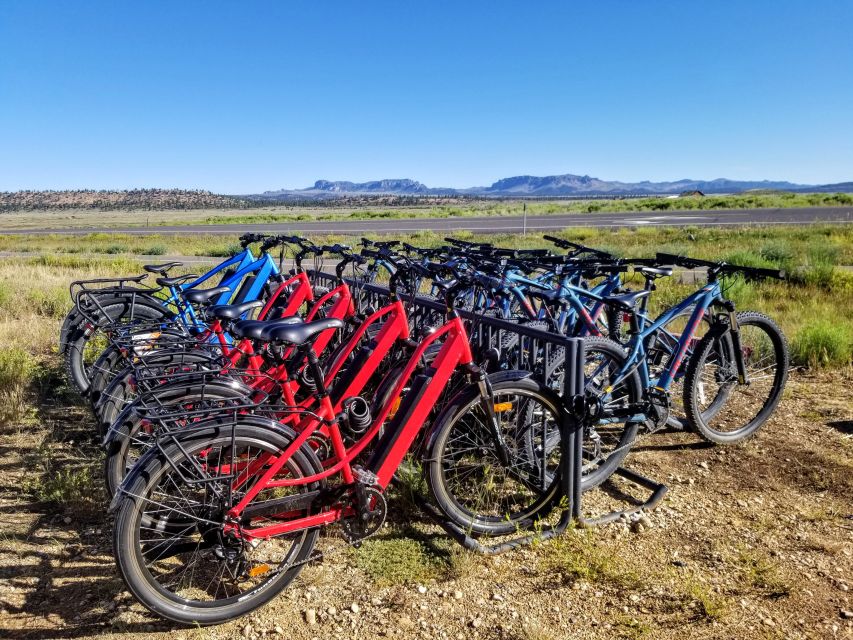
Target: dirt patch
[(753, 541)]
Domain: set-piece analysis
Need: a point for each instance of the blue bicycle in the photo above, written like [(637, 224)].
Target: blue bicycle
[(124, 305)]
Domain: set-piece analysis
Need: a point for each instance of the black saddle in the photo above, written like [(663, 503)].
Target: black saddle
[(655, 272), (627, 301), (162, 269), (233, 311), (254, 329), (298, 333), (200, 296), (171, 282)]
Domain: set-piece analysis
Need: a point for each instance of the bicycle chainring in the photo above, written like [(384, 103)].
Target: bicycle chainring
[(368, 519)]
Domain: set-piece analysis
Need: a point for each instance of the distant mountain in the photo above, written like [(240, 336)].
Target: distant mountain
[(538, 186), (132, 199), (330, 188)]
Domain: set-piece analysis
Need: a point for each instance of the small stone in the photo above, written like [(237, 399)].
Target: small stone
[(332, 611), (704, 465), (634, 597), (422, 589), (457, 595), (847, 614), (476, 622), (354, 607), (67, 520), (376, 602), (311, 616), (279, 630), (637, 526), (497, 597), (247, 631)]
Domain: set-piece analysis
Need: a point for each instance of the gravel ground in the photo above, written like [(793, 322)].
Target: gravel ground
[(752, 541)]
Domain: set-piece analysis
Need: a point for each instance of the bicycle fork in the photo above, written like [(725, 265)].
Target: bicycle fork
[(734, 331), (487, 401)]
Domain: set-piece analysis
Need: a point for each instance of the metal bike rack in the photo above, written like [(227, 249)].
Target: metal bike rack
[(534, 346)]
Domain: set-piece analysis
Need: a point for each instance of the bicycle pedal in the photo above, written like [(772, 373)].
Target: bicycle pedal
[(365, 477)]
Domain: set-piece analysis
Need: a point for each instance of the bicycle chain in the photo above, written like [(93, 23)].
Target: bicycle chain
[(320, 555)]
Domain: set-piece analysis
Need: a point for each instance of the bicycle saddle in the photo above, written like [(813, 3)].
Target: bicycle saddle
[(199, 296), (162, 269), (233, 311), (297, 334), (627, 301), (253, 329), (655, 272), (171, 282)]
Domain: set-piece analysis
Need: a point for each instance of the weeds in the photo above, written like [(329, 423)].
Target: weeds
[(393, 560), (67, 487), (824, 343), (579, 556), (18, 369), (761, 573), (711, 606)]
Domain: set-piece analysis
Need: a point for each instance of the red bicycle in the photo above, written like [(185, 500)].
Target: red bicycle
[(221, 516)]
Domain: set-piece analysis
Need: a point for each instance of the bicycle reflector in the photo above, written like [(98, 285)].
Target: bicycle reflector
[(259, 570), (395, 406), (503, 406)]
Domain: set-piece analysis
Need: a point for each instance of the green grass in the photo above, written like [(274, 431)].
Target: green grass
[(807, 306), (710, 605), (824, 343), (761, 573), (330, 213), (397, 560), (581, 555)]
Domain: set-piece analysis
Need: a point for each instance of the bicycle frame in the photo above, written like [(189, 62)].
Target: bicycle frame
[(264, 267), (701, 300), (393, 446)]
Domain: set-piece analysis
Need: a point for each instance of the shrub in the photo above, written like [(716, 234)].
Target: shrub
[(156, 250), (52, 303), (17, 371), (823, 343), (116, 248), (779, 253), (221, 252)]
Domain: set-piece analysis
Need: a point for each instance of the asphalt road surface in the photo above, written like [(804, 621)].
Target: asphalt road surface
[(499, 224)]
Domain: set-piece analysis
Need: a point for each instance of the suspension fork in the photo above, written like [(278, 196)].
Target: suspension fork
[(487, 401), (734, 331)]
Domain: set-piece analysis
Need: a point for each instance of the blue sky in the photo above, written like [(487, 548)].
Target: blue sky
[(246, 96)]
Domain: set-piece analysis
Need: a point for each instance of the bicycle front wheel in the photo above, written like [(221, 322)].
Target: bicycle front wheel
[(465, 474), (718, 406)]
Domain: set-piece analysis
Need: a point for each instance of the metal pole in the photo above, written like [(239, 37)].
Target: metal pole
[(524, 232)]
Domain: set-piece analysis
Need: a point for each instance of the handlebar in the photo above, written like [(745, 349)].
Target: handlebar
[(250, 238), (719, 267)]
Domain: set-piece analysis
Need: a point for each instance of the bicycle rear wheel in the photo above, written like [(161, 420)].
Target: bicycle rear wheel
[(172, 546)]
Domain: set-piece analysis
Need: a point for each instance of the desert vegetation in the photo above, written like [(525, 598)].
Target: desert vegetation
[(752, 541)]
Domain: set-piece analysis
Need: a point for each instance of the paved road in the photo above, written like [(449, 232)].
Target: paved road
[(499, 224)]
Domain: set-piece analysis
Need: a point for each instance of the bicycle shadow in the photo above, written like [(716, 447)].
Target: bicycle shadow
[(57, 575), (843, 426), (60, 582)]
